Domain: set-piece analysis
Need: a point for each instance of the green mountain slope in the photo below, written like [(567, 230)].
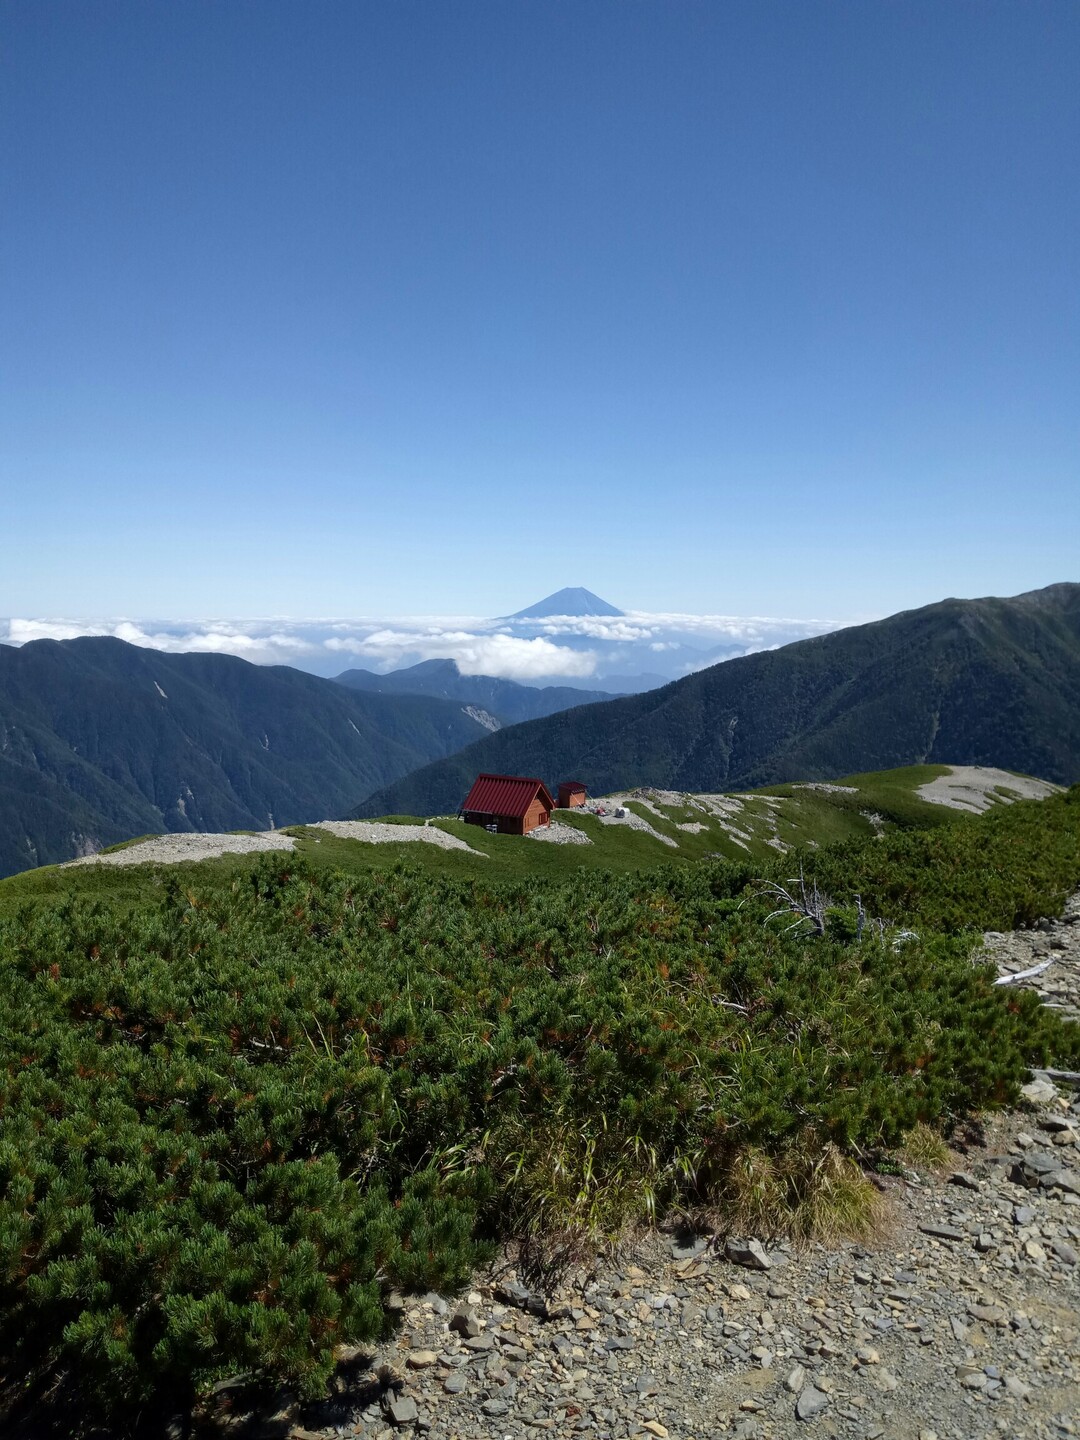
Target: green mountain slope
[(981, 682), (100, 740), (506, 700)]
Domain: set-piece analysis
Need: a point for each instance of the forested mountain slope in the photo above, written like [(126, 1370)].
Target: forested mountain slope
[(101, 740), (507, 700), (980, 682)]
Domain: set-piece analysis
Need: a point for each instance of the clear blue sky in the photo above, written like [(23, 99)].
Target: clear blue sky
[(350, 308)]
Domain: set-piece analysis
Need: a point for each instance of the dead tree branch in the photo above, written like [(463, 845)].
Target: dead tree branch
[(807, 903), (1024, 974)]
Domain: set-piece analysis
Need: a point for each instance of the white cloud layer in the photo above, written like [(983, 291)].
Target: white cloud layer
[(532, 651), (508, 656)]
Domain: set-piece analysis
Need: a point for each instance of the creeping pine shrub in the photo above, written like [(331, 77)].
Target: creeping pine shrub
[(232, 1118), (1015, 863)]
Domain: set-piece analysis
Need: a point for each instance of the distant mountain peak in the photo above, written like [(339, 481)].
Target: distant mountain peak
[(573, 600)]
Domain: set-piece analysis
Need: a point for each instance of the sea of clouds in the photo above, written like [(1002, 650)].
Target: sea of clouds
[(577, 649)]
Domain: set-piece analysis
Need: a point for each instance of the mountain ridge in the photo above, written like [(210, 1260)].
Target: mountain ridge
[(101, 740), (508, 700), (991, 681)]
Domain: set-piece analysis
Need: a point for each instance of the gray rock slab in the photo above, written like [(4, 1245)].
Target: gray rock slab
[(748, 1253), (811, 1403)]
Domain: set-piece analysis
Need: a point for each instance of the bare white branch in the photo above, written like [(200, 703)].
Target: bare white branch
[(807, 903), (1024, 974)]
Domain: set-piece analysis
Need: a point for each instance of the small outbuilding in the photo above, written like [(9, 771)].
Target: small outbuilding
[(510, 804), (572, 794)]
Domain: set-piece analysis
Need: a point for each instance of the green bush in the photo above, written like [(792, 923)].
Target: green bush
[(231, 1119), (1016, 863)]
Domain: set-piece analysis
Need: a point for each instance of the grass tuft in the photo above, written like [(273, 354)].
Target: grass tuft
[(924, 1149), (571, 1185), (806, 1192)]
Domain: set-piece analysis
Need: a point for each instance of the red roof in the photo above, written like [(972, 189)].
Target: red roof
[(509, 795), (572, 785)]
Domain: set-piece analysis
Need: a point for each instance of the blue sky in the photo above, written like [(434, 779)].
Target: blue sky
[(344, 309)]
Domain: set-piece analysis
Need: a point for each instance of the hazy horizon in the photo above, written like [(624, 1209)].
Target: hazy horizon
[(553, 649)]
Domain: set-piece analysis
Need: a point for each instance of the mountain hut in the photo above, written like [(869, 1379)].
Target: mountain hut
[(571, 794), (510, 804)]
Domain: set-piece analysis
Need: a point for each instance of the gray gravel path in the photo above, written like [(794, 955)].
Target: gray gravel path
[(972, 787), (374, 832), (179, 848), (558, 834)]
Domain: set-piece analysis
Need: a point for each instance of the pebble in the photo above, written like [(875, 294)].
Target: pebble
[(420, 1359), (988, 1314), (464, 1321), (942, 1232), (962, 1178), (402, 1410)]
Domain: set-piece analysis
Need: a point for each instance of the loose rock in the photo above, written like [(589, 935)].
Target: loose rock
[(750, 1253)]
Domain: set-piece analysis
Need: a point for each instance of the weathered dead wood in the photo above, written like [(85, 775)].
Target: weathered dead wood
[(808, 904), (1060, 1077), (1024, 974)]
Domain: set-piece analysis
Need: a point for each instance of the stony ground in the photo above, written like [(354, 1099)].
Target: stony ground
[(977, 787), (374, 832), (1053, 944), (179, 848), (961, 1320), (559, 834)]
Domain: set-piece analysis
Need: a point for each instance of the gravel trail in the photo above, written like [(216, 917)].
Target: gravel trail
[(180, 848), (372, 832), (559, 834)]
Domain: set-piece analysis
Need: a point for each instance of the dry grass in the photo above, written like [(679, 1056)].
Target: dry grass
[(569, 1182), (924, 1149), (571, 1193), (809, 1192)]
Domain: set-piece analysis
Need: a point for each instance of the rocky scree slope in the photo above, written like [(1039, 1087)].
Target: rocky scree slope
[(101, 740), (963, 682)]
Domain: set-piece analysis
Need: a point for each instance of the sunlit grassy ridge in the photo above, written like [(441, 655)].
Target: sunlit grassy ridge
[(240, 1107), (794, 815)]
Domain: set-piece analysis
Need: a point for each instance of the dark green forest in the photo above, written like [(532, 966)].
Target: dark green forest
[(235, 1115), (509, 701), (102, 740)]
